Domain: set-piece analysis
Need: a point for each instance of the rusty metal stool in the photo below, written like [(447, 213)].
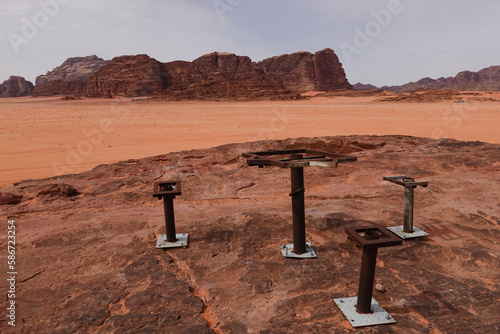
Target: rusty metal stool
[(296, 161), (363, 310), (407, 231), (167, 190)]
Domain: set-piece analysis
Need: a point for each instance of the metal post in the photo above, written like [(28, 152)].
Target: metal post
[(298, 208), (366, 280), (168, 205), (407, 230), (408, 209), (364, 310), (297, 159)]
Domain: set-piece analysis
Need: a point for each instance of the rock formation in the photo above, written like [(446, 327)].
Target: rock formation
[(16, 87), (303, 71), (88, 263), (361, 86), (222, 66), (221, 76), (217, 75), (69, 78), (487, 79), (128, 76)]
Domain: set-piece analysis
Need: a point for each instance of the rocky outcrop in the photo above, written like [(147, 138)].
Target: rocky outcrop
[(217, 75), (230, 91), (69, 78), (128, 76), (58, 190), (220, 75), (487, 79), (223, 66), (89, 262), (303, 71), (422, 96), (73, 69), (10, 199), (16, 87)]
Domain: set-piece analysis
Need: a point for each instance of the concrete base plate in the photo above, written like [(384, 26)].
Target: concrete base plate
[(287, 251), (182, 241), (378, 317), (398, 230)]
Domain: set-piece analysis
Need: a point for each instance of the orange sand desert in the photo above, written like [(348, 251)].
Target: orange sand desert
[(44, 137)]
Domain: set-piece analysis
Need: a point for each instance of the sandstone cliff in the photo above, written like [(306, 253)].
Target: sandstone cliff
[(16, 87), (220, 75), (69, 78), (216, 75), (128, 76), (303, 71)]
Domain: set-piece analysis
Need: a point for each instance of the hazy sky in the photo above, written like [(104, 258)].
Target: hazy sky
[(384, 42)]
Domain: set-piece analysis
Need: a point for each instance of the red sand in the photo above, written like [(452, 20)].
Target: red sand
[(43, 137)]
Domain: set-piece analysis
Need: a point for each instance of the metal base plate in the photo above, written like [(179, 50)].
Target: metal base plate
[(287, 251), (378, 317), (182, 241), (398, 230)]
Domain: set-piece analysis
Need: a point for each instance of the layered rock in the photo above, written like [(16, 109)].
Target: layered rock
[(230, 91), (15, 87), (221, 76), (303, 71), (128, 76), (69, 78), (211, 76)]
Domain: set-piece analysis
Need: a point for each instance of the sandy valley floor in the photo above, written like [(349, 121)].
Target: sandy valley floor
[(47, 137)]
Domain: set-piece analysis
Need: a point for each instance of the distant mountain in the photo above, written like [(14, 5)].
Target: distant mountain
[(16, 87), (211, 76), (69, 78), (487, 79), (360, 86)]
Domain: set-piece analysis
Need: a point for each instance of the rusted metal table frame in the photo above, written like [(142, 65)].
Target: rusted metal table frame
[(370, 239), (296, 163), (167, 190), (409, 185), (363, 310)]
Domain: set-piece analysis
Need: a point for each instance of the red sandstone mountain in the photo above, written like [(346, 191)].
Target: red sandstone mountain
[(16, 87), (303, 71), (69, 78), (211, 76), (487, 79), (222, 76), (128, 76)]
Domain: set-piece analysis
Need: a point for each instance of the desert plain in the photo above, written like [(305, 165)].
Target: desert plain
[(86, 260), (43, 137)]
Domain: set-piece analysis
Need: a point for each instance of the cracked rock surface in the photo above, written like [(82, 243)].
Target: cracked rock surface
[(87, 262)]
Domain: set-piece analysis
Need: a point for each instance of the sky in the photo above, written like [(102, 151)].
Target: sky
[(381, 42)]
